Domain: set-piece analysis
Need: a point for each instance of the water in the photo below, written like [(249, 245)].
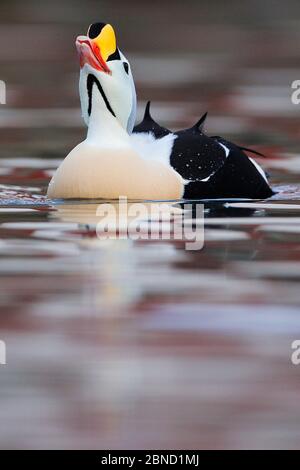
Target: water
[(143, 344)]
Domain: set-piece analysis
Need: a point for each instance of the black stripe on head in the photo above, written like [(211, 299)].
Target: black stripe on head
[(95, 29), (91, 79)]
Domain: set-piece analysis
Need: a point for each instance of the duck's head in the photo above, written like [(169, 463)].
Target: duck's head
[(106, 83)]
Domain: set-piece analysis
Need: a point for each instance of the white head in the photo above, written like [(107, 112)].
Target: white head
[(106, 83)]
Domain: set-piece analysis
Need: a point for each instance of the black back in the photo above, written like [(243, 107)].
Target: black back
[(196, 157), (238, 178)]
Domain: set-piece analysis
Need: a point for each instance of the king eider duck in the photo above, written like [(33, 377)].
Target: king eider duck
[(212, 167), (110, 163)]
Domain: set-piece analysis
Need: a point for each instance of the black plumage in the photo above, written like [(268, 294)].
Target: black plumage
[(212, 167), (149, 125)]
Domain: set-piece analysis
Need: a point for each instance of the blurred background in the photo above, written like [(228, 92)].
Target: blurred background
[(124, 344), (236, 61)]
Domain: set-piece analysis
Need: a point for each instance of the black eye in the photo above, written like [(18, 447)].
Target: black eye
[(126, 67)]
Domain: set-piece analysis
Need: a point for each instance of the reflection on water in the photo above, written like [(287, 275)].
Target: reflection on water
[(143, 344)]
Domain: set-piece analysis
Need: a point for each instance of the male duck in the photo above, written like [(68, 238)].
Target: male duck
[(151, 163), (109, 163)]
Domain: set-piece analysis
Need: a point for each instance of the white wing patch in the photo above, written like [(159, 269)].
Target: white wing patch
[(226, 155), (225, 148), (259, 169), (151, 148)]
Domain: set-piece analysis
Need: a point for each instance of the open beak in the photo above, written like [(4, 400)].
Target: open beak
[(96, 51), (89, 53)]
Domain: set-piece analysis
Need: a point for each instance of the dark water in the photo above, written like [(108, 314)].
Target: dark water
[(143, 344)]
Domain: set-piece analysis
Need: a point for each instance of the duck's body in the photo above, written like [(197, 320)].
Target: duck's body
[(107, 169), (109, 163), (212, 167)]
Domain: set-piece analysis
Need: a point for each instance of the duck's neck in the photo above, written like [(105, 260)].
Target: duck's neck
[(104, 129)]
